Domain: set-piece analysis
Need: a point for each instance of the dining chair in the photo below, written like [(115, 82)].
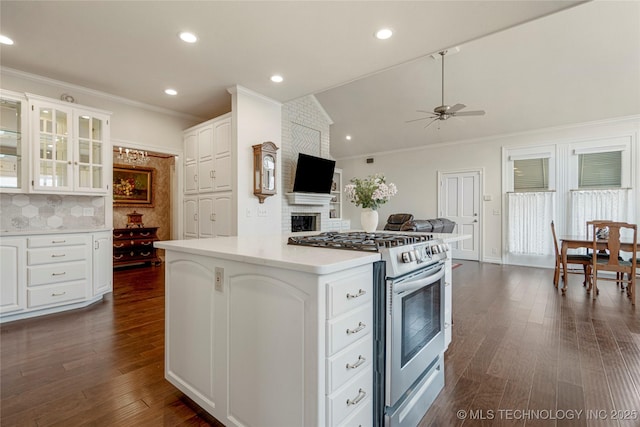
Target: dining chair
[(578, 259), (602, 253), (613, 262)]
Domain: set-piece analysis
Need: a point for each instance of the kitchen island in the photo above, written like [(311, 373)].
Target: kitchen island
[(261, 333)]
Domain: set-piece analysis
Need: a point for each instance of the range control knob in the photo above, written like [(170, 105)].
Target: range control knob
[(405, 257)]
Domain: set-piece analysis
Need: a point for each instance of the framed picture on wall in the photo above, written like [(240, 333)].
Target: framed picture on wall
[(133, 186)]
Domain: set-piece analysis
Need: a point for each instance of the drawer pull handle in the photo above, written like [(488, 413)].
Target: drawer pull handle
[(117, 235), (360, 361), (361, 395), (360, 327), (115, 245), (145, 253), (59, 274), (58, 295), (58, 241), (146, 243), (359, 294), (145, 234), (58, 255), (117, 256)]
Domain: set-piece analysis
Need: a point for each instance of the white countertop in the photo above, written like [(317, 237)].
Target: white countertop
[(274, 251), (13, 233)]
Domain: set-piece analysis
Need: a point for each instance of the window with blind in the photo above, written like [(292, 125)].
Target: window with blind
[(600, 170), (531, 175)]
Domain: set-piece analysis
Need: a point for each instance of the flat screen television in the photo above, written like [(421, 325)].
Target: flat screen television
[(313, 174)]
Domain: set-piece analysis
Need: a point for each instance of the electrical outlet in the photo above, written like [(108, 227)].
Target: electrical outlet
[(249, 212), (496, 211), (262, 211), (494, 251), (219, 279), (87, 211)]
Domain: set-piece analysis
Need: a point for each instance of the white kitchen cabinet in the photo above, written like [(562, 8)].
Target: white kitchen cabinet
[(12, 274), (14, 152), (208, 163), (208, 207), (259, 333), (71, 147), (102, 263), (207, 215), (190, 204), (58, 269), (48, 273)]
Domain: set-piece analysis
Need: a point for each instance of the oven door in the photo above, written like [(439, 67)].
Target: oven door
[(414, 329)]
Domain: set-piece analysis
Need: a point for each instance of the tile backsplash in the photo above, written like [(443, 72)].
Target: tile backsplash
[(45, 212)]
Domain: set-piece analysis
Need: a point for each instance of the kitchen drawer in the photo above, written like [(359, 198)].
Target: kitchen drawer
[(349, 362), (351, 398), (55, 240), (349, 293), (348, 328), (61, 254), (54, 273), (362, 417), (56, 294)]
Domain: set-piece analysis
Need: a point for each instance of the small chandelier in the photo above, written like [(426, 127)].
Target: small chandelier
[(134, 157)]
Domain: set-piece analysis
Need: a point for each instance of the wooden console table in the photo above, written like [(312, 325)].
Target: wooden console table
[(135, 246)]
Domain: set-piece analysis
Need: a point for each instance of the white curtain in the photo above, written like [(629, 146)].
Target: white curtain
[(530, 215), (587, 205)]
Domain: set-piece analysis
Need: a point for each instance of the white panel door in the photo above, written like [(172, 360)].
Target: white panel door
[(460, 202), (206, 219)]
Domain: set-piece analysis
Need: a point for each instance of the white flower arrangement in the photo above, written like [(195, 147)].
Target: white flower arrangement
[(370, 192)]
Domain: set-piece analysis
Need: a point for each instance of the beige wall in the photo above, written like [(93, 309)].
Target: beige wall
[(415, 173)]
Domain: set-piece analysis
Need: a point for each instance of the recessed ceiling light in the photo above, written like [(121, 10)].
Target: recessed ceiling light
[(5, 40), (348, 137), (384, 33), (277, 78), (188, 37), (171, 92)]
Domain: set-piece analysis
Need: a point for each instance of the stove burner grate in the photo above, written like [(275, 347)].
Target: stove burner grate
[(359, 241)]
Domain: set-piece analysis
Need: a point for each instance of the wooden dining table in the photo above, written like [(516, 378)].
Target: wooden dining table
[(583, 241)]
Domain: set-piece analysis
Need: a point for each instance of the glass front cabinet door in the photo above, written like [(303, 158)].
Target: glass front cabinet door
[(72, 146), (13, 153)]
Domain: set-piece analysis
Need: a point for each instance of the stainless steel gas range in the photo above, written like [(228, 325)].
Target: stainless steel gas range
[(408, 298)]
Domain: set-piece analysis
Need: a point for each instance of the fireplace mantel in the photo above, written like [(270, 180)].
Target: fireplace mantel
[(314, 199)]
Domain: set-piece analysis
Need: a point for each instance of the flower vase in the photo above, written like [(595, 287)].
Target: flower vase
[(369, 220)]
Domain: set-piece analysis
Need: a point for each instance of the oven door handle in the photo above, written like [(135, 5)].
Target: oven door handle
[(412, 285)]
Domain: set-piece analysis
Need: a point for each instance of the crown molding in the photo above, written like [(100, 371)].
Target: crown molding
[(237, 89), (104, 95)]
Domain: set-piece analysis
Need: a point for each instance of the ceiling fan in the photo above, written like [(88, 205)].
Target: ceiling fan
[(443, 112)]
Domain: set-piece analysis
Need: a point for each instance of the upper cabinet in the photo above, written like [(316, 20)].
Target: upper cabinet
[(208, 156), (13, 146), (70, 147)]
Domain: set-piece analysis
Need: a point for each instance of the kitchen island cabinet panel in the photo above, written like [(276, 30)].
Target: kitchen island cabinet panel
[(267, 336), (190, 333), (246, 340)]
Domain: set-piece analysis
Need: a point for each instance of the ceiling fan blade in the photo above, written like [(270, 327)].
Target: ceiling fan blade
[(427, 112), (470, 113), (415, 120), (431, 122), (455, 108)]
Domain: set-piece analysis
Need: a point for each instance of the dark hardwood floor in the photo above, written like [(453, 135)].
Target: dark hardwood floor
[(522, 354)]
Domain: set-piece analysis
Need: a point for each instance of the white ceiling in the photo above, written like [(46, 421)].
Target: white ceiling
[(540, 74)]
